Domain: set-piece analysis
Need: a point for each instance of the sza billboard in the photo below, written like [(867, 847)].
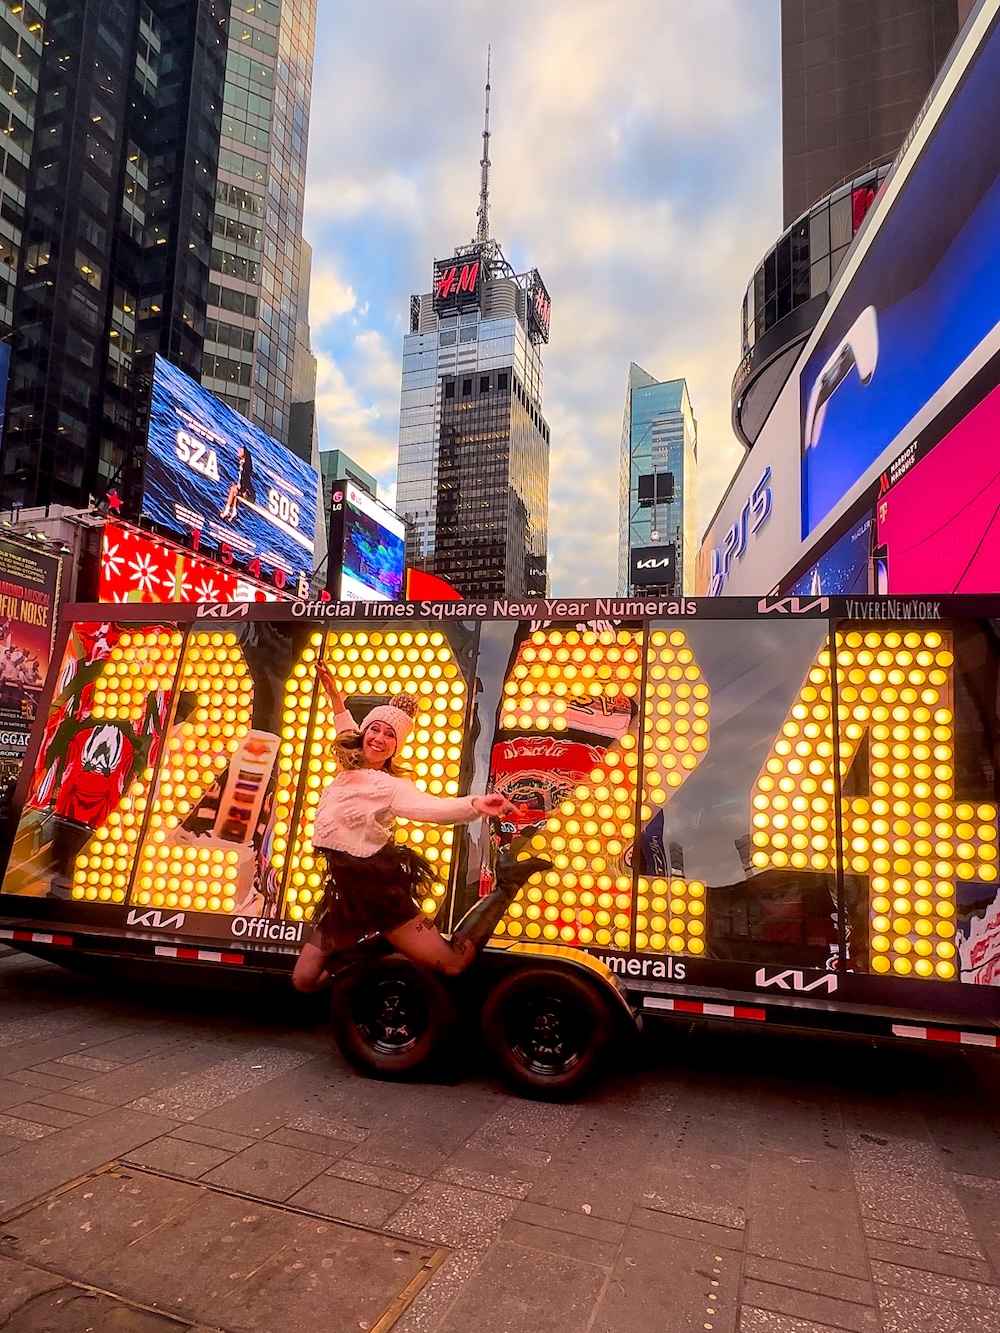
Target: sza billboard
[(768, 791), (211, 472)]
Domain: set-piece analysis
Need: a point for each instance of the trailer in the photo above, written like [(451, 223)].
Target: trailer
[(779, 811)]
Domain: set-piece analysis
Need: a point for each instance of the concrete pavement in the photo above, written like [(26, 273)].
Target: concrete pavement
[(175, 1160)]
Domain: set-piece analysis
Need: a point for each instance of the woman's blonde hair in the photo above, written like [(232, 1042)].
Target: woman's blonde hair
[(346, 747)]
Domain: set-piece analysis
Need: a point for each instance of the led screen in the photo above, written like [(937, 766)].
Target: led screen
[(138, 568), (923, 299), (210, 471), (373, 547), (844, 568), (939, 524)]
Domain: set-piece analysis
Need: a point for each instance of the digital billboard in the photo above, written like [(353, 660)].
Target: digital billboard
[(29, 591), (137, 568), (939, 523), (367, 547), (212, 475), (922, 303), (844, 568), (652, 565)]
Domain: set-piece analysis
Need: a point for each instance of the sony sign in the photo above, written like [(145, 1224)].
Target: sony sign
[(652, 564)]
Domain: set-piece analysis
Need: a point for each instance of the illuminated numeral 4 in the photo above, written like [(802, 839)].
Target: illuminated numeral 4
[(909, 836), (670, 910)]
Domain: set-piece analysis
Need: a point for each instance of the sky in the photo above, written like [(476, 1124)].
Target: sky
[(635, 162)]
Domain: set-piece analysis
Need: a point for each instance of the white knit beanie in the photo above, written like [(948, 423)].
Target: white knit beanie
[(399, 715)]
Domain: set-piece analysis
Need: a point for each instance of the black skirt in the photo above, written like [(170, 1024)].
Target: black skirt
[(368, 895)]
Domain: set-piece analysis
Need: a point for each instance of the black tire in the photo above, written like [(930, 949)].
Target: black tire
[(390, 1016), (548, 1031)]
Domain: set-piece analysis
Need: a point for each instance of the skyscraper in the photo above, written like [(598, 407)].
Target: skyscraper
[(853, 76), (156, 184), (657, 528), (473, 475)]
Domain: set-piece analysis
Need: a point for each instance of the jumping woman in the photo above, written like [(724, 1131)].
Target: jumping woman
[(372, 881)]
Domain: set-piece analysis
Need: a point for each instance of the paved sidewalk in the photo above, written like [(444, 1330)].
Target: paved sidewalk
[(177, 1160)]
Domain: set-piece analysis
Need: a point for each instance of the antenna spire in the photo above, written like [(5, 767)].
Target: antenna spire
[(483, 212)]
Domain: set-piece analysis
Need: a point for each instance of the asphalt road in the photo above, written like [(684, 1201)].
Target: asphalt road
[(179, 1159)]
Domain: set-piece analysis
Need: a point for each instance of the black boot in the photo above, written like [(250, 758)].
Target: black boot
[(480, 921)]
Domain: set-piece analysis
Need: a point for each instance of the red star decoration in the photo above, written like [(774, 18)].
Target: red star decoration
[(114, 502)]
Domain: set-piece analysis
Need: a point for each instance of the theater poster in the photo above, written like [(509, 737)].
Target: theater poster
[(29, 595)]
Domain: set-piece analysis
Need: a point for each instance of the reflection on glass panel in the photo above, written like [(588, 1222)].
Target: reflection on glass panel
[(727, 868)]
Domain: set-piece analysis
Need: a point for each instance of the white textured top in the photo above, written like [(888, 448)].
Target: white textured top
[(357, 811)]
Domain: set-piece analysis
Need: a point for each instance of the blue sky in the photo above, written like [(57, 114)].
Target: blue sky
[(636, 163)]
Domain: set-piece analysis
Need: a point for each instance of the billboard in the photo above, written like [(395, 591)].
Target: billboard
[(367, 547), (921, 304), (652, 565), (539, 308), (137, 568), (456, 283), (213, 476), (939, 522), (29, 592)]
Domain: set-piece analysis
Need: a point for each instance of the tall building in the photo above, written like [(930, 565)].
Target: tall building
[(473, 475), (657, 527), (853, 76), (152, 195)]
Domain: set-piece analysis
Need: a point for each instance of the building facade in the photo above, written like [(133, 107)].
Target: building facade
[(136, 227), (873, 469), (853, 76), (657, 496), (473, 473)]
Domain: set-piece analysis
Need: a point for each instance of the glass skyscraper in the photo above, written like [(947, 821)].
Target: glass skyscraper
[(473, 474), (152, 196), (657, 527)]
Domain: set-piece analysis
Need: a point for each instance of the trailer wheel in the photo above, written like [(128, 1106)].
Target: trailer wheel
[(548, 1031), (391, 1016)]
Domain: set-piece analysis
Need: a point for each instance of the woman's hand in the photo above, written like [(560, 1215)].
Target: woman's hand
[(329, 683), (493, 805)]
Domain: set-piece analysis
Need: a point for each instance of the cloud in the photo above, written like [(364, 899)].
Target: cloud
[(635, 163)]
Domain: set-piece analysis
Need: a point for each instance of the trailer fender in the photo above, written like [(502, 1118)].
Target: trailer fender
[(578, 961)]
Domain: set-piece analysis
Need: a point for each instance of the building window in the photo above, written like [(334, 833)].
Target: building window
[(467, 388), (449, 388), (502, 380), (484, 384)]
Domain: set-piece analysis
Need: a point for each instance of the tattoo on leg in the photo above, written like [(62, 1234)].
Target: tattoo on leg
[(424, 923)]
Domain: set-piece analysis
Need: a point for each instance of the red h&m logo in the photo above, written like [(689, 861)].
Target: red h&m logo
[(454, 280), (543, 307)]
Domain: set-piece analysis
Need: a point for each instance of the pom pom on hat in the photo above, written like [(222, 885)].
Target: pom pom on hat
[(398, 714)]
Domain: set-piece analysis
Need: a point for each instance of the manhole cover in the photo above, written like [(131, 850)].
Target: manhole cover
[(202, 1257)]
